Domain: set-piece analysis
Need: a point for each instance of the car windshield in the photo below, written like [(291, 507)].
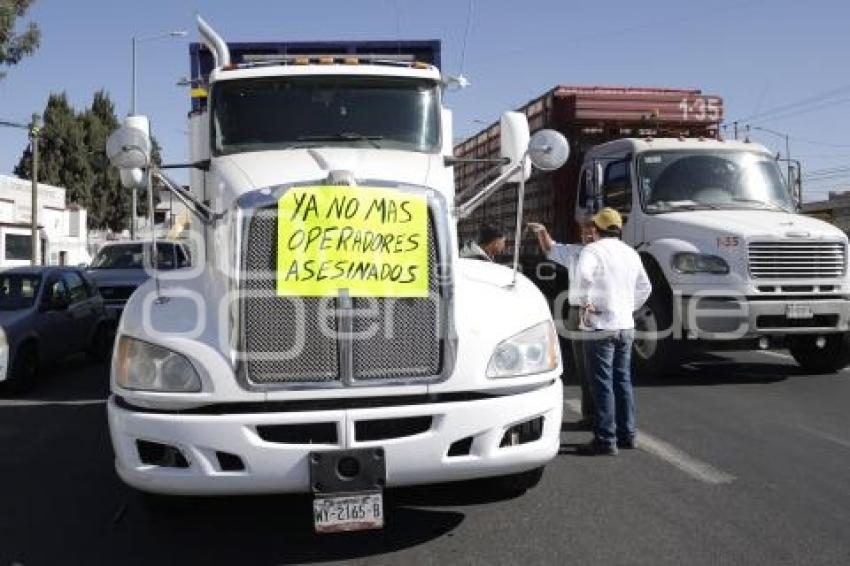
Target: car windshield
[(18, 291), (131, 256), (292, 112), (690, 180)]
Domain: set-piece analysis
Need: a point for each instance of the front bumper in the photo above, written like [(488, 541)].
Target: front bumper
[(729, 318), (275, 467)]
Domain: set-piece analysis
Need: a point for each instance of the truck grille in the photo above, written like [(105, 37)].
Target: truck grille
[(782, 260), (407, 344)]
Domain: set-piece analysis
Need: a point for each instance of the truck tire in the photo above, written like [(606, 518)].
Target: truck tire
[(832, 357), (655, 356), (514, 485)]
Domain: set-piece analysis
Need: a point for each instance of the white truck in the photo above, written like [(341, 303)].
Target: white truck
[(733, 264), (327, 337), (730, 258)]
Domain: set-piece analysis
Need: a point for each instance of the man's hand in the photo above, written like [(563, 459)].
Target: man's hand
[(542, 235)]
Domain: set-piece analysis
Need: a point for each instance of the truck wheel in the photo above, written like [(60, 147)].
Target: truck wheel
[(515, 484), (832, 357), (654, 355), (24, 371)]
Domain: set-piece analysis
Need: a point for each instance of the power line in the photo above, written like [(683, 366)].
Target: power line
[(797, 103), (465, 37), (792, 113)]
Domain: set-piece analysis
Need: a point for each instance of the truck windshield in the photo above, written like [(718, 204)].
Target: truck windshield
[(289, 112), (132, 256), (677, 180), (18, 291)]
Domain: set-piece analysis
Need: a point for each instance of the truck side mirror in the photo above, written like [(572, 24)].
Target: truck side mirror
[(129, 147), (797, 185), (548, 150), (598, 179), (514, 143), (446, 123)]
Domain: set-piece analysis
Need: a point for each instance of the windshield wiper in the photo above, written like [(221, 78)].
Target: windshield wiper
[(663, 206), (769, 204), (343, 136)]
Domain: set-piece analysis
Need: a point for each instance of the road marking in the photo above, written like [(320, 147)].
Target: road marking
[(695, 468), (825, 436), (41, 403)]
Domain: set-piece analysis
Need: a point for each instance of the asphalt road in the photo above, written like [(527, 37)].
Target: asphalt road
[(744, 461)]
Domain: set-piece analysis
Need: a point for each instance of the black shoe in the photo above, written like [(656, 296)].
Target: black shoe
[(628, 444), (596, 448)]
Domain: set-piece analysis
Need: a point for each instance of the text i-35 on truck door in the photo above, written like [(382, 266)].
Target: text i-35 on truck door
[(328, 339)]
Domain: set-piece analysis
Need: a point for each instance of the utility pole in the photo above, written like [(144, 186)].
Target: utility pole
[(135, 196), (35, 130)]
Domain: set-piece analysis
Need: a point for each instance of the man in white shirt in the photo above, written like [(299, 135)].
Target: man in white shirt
[(611, 284), (567, 255)]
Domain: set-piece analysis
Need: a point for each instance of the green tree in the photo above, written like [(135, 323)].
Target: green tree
[(110, 202), (73, 156), (14, 46), (64, 155)]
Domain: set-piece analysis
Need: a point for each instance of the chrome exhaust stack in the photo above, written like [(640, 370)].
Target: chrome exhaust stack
[(221, 53)]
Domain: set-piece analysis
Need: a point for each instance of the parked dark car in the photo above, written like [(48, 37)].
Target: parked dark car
[(47, 313), (119, 268)]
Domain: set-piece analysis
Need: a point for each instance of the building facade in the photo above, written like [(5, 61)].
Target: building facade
[(62, 228)]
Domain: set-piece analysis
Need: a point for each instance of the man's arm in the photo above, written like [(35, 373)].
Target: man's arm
[(643, 288), (585, 275), (565, 254)]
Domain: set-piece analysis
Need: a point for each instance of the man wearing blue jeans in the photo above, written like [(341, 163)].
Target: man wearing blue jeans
[(611, 284)]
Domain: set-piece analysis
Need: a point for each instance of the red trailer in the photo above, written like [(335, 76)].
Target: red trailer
[(587, 116)]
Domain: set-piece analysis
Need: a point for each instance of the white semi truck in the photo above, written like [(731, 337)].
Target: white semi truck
[(732, 261), (328, 338)]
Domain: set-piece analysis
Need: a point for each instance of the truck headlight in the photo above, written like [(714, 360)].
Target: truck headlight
[(147, 367), (533, 350), (690, 263)]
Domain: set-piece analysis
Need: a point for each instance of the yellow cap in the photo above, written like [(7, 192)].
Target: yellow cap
[(608, 218)]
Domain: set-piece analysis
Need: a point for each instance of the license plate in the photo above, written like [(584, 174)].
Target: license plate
[(799, 311), (348, 513)]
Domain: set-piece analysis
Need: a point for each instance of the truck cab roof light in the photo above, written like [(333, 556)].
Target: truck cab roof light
[(351, 61), (301, 61), (230, 67), (326, 60), (420, 65)]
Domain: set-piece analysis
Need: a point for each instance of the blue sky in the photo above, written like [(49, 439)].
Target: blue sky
[(761, 56)]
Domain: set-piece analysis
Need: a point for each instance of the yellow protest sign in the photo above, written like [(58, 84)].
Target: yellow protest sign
[(373, 242)]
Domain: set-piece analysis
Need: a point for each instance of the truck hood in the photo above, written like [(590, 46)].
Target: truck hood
[(260, 169), (117, 277), (748, 224)]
